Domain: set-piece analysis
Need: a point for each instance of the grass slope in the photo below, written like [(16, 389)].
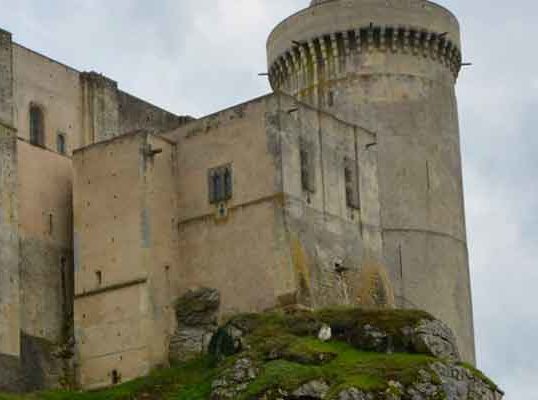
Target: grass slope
[(300, 357)]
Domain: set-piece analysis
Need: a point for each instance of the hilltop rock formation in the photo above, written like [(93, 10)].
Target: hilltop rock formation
[(371, 355)]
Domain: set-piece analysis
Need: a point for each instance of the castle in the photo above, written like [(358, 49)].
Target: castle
[(344, 186)]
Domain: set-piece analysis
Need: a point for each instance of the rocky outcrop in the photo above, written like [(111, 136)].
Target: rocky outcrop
[(197, 321), (435, 338), (234, 380), (343, 354), (382, 331)]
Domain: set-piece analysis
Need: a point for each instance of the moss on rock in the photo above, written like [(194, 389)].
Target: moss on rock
[(274, 355)]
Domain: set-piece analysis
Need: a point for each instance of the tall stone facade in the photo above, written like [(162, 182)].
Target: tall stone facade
[(342, 187), (391, 66), (36, 222)]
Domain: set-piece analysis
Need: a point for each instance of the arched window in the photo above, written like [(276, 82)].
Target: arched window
[(37, 126)]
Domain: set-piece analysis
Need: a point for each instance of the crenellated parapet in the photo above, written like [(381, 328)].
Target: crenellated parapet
[(331, 56)]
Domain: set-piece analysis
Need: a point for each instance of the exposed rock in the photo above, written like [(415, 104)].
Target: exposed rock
[(375, 339), (268, 346), (198, 307), (189, 342), (458, 383), (355, 394), (234, 380), (312, 390), (435, 338), (197, 316), (394, 391)]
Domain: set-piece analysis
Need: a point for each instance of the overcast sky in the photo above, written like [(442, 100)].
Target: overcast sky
[(198, 56)]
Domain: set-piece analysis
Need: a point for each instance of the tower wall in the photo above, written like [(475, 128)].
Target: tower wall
[(391, 68)]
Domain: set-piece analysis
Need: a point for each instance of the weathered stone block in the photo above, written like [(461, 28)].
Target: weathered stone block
[(197, 317)]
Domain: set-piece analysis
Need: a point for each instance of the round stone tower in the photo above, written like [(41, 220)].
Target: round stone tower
[(390, 66)]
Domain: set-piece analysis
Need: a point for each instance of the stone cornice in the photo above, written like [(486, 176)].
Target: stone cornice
[(335, 48)]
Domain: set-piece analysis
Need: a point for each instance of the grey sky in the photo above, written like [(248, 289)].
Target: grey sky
[(198, 56)]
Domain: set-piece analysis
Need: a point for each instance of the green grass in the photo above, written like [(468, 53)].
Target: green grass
[(287, 353), (190, 381), (349, 368)]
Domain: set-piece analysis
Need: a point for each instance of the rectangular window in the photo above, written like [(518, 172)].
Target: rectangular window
[(308, 171), (220, 184), (352, 183), (99, 278), (60, 143), (37, 126), (330, 98)]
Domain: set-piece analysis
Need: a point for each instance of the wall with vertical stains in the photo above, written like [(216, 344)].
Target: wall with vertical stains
[(391, 67), (45, 251), (330, 240), (9, 255)]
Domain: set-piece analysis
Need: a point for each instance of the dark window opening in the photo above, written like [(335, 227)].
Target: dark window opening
[(37, 126), (116, 377), (352, 183), (99, 277), (330, 100), (308, 176), (60, 143), (51, 224), (220, 184)]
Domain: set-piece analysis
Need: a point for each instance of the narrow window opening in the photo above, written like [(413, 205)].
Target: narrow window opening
[(227, 183), (60, 143), (116, 377), (37, 126), (308, 178), (217, 186), (51, 225), (330, 99), (99, 277), (351, 183)]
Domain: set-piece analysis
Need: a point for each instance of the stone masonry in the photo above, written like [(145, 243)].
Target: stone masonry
[(343, 187)]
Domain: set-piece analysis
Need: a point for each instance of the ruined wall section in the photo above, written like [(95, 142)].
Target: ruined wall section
[(332, 241), (45, 246), (10, 373)]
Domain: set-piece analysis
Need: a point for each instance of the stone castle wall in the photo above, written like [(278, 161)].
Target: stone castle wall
[(36, 298), (391, 68), (146, 231), (346, 190), (9, 255)]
